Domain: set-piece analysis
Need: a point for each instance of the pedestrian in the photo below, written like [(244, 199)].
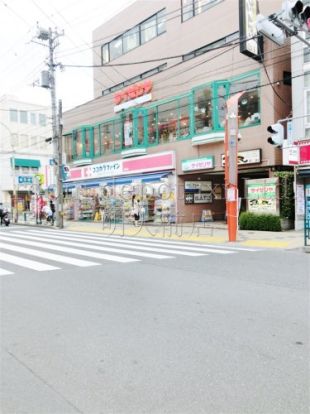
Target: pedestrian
[(53, 210), (136, 209), (1, 213)]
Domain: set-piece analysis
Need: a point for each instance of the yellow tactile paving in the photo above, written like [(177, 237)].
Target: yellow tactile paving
[(266, 243)]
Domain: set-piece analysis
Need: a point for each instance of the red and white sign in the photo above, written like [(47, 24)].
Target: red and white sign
[(148, 163), (133, 95)]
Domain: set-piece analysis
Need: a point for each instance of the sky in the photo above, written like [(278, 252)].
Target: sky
[(22, 60)]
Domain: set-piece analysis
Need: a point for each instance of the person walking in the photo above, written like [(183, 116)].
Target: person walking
[(53, 210), (136, 209)]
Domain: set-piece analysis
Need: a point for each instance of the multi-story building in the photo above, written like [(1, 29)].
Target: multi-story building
[(24, 154), (163, 71)]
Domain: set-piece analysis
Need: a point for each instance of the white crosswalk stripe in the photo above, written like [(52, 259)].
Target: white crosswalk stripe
[(70, 246)]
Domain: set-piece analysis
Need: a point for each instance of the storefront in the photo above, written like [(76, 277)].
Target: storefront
[(107, 189)]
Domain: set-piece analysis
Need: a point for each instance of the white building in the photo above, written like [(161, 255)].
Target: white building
[(24, 153)]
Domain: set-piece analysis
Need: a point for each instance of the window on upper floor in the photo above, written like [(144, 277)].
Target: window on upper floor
[(23, 117), (136, 36), (191, 8), (42, 119), (33, 118), (13, 115)]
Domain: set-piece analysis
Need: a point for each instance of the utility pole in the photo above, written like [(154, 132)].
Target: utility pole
[(48, 81)]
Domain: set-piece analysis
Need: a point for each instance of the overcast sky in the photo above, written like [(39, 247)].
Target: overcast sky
[(21, 60)]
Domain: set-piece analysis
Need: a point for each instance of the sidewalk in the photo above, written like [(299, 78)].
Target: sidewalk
[(215, 232)]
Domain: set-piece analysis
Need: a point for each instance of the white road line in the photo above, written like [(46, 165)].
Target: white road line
[(30, 264), (148, 239), (131, 245), (69, 250), (4, 272), (140, 242), (49, 256)]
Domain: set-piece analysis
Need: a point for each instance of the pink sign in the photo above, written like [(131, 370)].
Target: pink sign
[(156, 162), (304, 153)]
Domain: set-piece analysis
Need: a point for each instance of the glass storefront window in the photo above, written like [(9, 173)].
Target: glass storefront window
[(221, 105), (128, 131), (168, 122), (184, 119), (140, 129), (79, 144), (96, 141), (106, 137), (152, 126), (118, 136), (249, 103), (87, 142), (203, 110), (68, 147)]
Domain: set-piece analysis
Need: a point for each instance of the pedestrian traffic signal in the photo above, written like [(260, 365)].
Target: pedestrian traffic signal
[(277, 134)]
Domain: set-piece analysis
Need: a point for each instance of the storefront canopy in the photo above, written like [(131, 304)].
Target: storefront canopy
[(25, 162), (144, 178)]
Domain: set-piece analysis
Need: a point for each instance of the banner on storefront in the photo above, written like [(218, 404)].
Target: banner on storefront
[(195, 164), (262, 196), (148, 163)]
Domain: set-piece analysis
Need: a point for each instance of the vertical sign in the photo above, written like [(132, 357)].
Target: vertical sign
[(252, 45)]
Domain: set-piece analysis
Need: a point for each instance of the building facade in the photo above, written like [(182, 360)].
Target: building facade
[(25, 156), (163, 71)]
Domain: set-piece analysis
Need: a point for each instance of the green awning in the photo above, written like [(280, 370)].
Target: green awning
[(25, 162)]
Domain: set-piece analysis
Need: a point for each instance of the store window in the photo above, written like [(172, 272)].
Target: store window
[(128, 130), (203, 110), (107, 137), (78, 144), (13, 115), (87, 145), (168, 122), (68, 147), (118, 134), (152, 123), (140, 129), (96, 141), (184, 118), (249, 103)]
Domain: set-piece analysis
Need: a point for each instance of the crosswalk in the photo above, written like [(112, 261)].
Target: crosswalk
[(50, 249)]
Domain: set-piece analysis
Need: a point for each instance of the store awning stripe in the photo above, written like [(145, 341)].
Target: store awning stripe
[(25, 162), (145, 178)]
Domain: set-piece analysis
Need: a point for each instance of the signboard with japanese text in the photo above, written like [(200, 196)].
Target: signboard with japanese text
[(246, 157), (198, 186), (149, 163), (262, 196), (198, 164), (200, 198)]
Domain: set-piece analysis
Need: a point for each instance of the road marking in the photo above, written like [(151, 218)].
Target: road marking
[(108, 242), (70, 250), (49, 256), (30, 264), (4, 272), (148, 240)]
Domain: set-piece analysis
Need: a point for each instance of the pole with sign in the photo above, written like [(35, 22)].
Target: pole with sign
[(231, 165)]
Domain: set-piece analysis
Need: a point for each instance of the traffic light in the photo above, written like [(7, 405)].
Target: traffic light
[(277, 134), (296, 13)]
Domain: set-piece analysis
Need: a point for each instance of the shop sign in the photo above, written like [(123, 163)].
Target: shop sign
[(262, 196), (133, 95), (149, 163), (200, 198), (290, 155), (247, 27), (198, 185), (25, 179), (304, 154), (247, 157), (203, 163)]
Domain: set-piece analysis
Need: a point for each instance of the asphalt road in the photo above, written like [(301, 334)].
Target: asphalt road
[(216, 333)]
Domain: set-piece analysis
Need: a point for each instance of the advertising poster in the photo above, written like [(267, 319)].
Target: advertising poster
[(262, 196)]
